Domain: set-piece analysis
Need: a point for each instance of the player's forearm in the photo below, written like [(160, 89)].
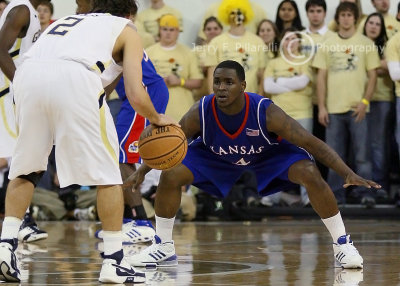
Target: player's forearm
[(141, 103), (7, 65), (327, 156)]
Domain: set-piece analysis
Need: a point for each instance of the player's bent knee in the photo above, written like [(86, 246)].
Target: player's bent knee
[(34, 177), (176, 177)]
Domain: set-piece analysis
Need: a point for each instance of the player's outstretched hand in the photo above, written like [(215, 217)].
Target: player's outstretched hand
[(355, 180), (164, 120)]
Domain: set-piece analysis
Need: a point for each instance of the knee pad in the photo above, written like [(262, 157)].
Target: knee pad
[(34, 177)]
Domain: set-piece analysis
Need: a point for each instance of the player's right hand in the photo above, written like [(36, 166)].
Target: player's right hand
[(164, 120)]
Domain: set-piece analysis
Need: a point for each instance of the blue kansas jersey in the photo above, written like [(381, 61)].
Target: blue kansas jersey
[(218, 158)]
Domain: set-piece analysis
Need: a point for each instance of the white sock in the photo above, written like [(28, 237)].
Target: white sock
[(28, 211), (335, 226), (10, 227), (164, 227), (112, 241)]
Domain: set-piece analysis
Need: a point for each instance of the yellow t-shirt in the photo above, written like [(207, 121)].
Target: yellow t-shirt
[(309, 47), (182, 62), (248, 50), (392, 54), (259, 14), (391, 24), (149, 18), (347, 62), (147, 38), (296, 104), (201, 53)]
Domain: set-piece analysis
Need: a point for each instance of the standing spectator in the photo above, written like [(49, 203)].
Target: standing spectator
[(350, 58), (333, 25), (392, 26), (316, 33), (378, 117), (268, 32), (3, 5), (398, 12), (45, 11), (251, 26), (392, 53), (178, 65), (288, 79), (212, 28), (237, 44), (288, 16), (150, 17)]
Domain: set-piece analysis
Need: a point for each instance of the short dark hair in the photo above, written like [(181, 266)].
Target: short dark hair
[(319, 3), (232, 65), (212, 19), (347, 6), (48, 5), (120, 8)]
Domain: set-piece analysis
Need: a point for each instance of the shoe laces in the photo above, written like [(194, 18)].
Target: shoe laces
[(349, 248)]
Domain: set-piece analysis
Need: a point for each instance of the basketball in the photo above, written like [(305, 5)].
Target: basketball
[(162, 147)]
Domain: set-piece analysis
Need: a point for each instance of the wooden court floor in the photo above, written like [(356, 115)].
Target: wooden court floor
[(275, 252)]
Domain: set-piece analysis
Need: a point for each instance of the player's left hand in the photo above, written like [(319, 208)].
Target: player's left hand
[(359, 112), (355, 180)]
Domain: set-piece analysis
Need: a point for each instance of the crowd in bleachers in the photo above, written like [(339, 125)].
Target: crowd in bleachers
[(339, 80)]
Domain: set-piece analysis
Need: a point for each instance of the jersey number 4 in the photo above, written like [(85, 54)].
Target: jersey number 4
[(63, 28)]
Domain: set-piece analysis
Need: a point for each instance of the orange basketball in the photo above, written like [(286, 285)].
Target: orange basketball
[(162, 147)]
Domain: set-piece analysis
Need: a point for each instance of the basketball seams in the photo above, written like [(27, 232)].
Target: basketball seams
[(169, 152), (152, 139)]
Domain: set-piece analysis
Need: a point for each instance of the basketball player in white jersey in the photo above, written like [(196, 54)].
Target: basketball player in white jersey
[(59, 98), (19, 29)]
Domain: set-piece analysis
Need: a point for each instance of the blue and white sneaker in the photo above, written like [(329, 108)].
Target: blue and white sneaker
[(134, 231), (159, 254), (346, 255), (9, 270), (116, 269), (29, 231)]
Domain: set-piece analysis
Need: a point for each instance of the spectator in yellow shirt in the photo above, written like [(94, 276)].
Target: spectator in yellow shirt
[(178, 65), (268, 32), (346, 80)]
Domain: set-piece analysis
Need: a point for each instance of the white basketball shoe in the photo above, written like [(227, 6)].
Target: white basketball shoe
[(346, 255), (159, 254)]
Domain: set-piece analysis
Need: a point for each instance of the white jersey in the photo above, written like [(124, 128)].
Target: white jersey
[(22, 45), (87, 39), (7, 122)]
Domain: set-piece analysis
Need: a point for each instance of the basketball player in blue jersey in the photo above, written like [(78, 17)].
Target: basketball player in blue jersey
[(236, 131), (130, 125)]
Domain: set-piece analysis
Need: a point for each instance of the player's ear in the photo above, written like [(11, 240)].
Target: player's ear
[(243, 84)]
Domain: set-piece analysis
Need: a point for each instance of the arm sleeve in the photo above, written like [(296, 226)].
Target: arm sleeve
[(294, 83), (272, 87), (394, 70)]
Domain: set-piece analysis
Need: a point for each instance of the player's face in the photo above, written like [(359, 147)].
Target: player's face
[(228, 89)]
